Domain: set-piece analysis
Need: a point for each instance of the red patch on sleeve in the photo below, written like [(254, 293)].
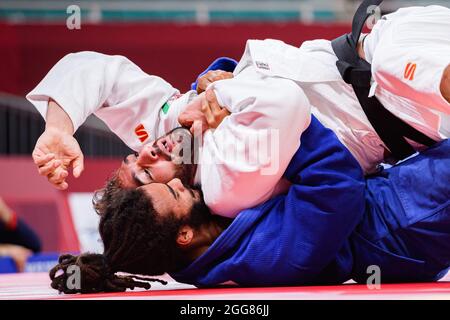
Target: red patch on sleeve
[(410, 71), (141, 133)]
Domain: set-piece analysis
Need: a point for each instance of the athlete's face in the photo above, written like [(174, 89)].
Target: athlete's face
[(172, 198), (159, 161), (185, 207)]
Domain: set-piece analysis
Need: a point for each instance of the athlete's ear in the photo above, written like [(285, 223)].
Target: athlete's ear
[(185, 236)]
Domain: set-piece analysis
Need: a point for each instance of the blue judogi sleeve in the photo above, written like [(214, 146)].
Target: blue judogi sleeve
[(292, 239), (223, 63)]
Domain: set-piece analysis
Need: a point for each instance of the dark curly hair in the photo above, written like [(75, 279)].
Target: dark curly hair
[(136, 241)]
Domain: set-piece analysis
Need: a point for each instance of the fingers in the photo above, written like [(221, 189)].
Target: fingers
[(56, 174), (62, 186), (78, 166), (210, 77), (213, 112), (192, 112), (207, 112), (185, 120), (49, 167), (220, 75), (212, 101), (41, 159), (197, 128), (58, 178), (222, 114), (203, 83)]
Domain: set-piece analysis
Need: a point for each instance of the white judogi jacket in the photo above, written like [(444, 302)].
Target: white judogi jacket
[(130, 101), (417, 35)]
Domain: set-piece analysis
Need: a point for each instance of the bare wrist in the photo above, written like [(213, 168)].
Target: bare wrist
[(58, 119)]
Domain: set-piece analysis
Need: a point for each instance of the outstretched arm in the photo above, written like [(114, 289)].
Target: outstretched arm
[(112, 87), (83, 83)]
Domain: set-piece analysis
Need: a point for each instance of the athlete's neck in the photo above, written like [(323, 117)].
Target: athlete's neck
[(205, 237)]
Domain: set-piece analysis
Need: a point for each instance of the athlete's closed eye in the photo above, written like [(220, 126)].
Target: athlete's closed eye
[(175, 194), (149, 175)]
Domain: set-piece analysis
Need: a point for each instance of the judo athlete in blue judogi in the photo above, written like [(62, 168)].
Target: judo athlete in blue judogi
[(332, 225)]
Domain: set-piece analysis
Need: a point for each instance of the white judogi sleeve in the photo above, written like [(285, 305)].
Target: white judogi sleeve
[(244, 159), (409, 51), (127, 99)]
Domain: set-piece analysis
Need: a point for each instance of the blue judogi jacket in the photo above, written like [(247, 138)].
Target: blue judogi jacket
[(405, 230), (298, 238)]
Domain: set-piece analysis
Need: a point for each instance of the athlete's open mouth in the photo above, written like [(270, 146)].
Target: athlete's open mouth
[(165, 146)]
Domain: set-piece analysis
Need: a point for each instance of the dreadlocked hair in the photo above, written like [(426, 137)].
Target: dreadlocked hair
[(96, 276), (136, 241)]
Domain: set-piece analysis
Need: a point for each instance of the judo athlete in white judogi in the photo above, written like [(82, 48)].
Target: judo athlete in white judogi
[(275, 86)]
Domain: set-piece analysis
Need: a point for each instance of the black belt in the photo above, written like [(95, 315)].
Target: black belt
[(358, 72)]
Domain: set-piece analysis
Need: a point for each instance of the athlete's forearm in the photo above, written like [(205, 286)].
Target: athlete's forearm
[(57, 118)]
